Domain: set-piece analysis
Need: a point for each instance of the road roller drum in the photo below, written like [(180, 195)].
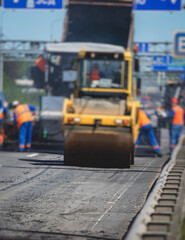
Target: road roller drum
[(102, 147)]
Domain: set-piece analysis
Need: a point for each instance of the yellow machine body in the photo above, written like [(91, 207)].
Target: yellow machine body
[(100, 123)]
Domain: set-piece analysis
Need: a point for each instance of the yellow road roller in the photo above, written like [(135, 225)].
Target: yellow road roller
[(100, 120)]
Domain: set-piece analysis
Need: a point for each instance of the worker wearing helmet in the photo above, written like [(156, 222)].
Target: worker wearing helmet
[(23, 118), (176, 114), (147, 130)]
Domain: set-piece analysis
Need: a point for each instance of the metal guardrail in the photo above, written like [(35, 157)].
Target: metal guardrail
[(29, 51), (22, 49), (15, 48)]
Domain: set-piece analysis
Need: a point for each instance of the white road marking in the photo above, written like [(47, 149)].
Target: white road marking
[(32, 155), (118, 195)]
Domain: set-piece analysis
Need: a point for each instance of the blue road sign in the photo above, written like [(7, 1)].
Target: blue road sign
[(182, 77), (33, 4), (143, 47), (158, 5), (168, 64), (167, 68), (167, 59), (179, 44)]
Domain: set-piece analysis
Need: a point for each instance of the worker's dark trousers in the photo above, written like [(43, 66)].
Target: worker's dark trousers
[(176, 132), (149, 133), (25, 136)]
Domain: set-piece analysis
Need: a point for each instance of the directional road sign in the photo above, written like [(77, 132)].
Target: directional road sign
[(143, 47), (33, 4), (168, 64), (179, 44), (160, 5)]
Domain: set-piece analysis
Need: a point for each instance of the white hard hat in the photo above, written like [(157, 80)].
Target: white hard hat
[(141, 105), (5, 104), (15, 103)]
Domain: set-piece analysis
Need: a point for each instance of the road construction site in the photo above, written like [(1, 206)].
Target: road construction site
[(96, 187), (43, 199), (82, 178)]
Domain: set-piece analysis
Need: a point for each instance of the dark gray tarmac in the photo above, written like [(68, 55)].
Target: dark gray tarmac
[(40, 198)]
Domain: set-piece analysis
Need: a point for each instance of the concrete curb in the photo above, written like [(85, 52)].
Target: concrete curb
[(139, 226)]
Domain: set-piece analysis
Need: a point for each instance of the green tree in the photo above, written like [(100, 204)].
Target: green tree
[(11, 70), (15, 70)]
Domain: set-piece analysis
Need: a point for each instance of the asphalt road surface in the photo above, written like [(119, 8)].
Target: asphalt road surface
[(40, 198)]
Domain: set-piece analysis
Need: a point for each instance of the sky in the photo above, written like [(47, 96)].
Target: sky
[(47, 25)]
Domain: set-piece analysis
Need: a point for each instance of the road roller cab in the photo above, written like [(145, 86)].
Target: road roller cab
[(100, 120)]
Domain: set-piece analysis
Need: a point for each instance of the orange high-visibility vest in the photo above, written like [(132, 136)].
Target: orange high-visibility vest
[(2, 135), (1, 114), (178, 118), (94, 74), (23, 114), (143, 119), (41, 63)]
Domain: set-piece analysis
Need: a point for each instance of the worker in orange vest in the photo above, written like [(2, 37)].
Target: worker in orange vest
[(176, 114), (23, 118), (94, 73), (147, 130), (3, 111), (41, 63)]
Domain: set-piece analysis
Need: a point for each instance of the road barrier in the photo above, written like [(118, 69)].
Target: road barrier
[(162, 215)]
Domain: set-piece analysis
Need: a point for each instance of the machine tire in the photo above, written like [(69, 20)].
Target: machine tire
[(128, 162), (132, 156)]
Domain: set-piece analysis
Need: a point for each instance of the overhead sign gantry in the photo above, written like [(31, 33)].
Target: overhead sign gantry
[(158, 5), (33, 4)]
